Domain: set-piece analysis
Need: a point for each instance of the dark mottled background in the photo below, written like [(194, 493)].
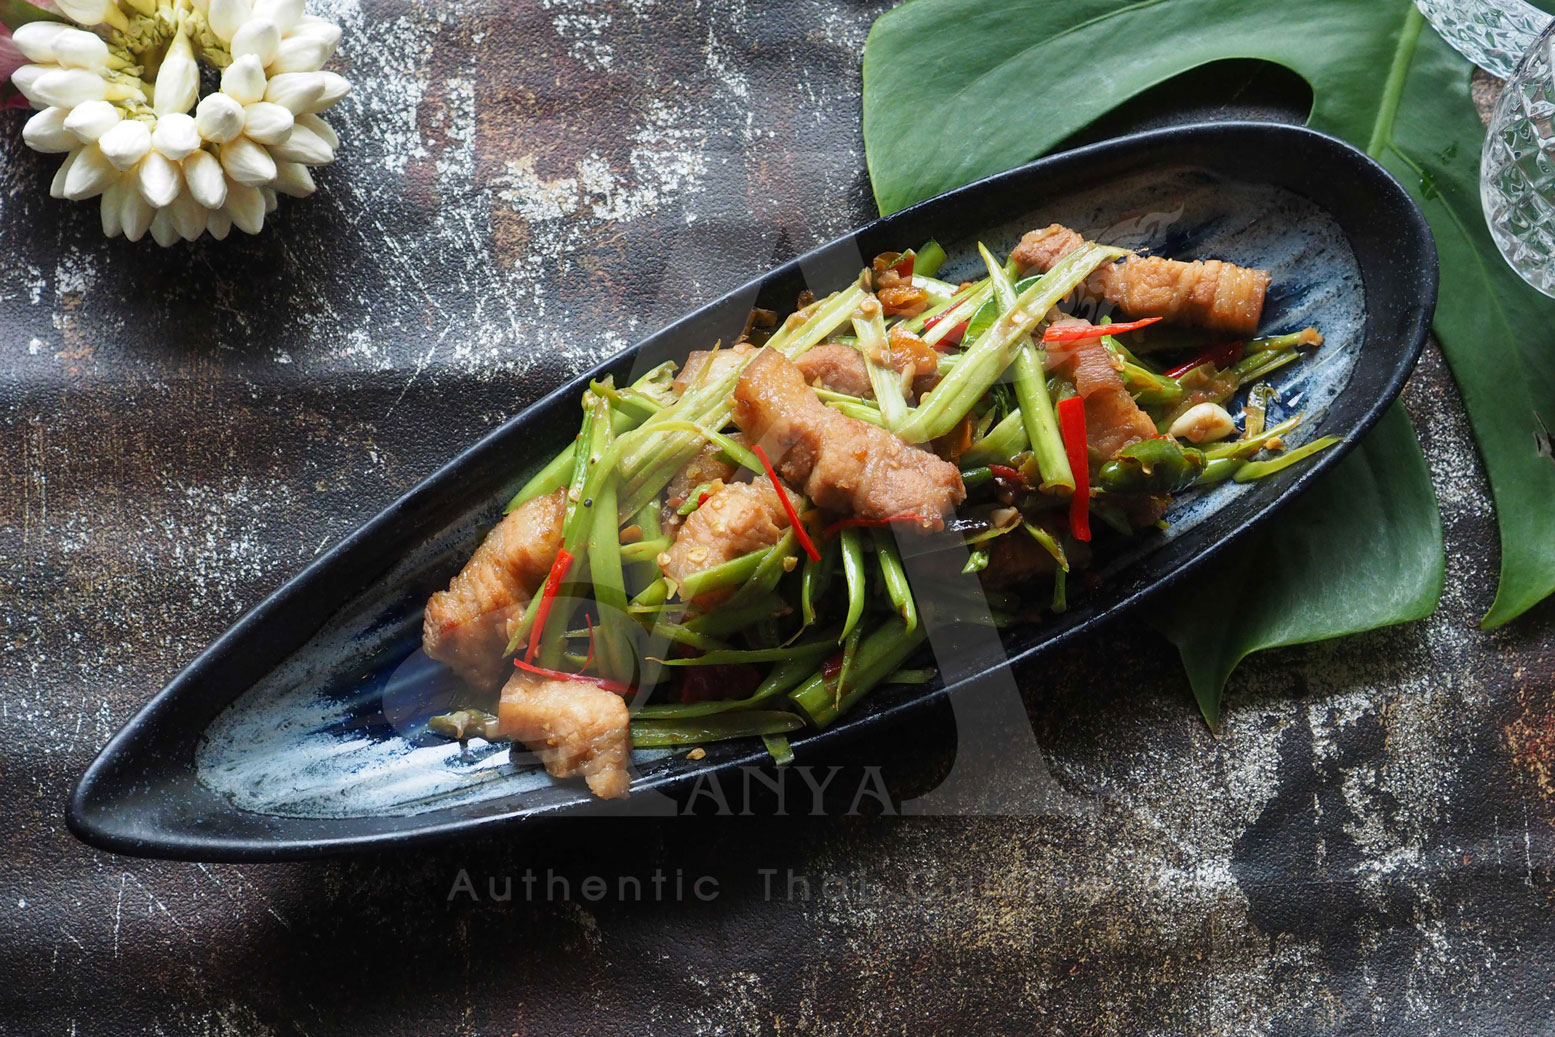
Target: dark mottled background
[(525, 188)]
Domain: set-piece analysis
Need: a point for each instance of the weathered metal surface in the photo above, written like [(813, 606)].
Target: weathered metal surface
[(1368, 846)]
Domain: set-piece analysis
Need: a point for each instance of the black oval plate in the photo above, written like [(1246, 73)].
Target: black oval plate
[(324, 748)]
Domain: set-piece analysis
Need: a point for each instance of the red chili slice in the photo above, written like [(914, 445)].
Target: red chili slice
[(553, 583), (788, 507), (1071, 422)]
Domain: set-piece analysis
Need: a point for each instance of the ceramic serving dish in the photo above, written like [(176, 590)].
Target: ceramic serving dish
[(302, 730)]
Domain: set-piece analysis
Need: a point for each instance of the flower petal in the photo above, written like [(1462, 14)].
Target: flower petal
[(111, 208), (65, 87), (134, 213), (266, 122), (90, 175), (189, 217), (158, 179), (25, 79), (325, 131), (218, 223), (178, 80), (247, 162), (91, 119), (218, 118), (46, 131), (297, 92), (301, 54), (319, 29), (36, 40), (78, 48), (176, 136), (336, 86), (293, 178), (87, 12), (162, 230), (304, 146), (57, 185), (207, 183), (284, 13), (126, 143), (259, 37), (246, 206), (244, 80), (225, 17)]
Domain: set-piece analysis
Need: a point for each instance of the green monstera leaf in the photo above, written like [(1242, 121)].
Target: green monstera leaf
[(1017, 78)]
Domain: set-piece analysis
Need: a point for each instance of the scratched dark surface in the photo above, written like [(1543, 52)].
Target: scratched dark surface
[(524, 188)]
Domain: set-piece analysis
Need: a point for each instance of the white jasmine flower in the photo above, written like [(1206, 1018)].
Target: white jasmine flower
[(246, 206), (284, 14), (267, 123), (178, 80), (247, 162), (301, 54), (225, 17), (320, 29), (26, 78), (293, 178), (90, 120), (65, 87), (135, 212), (306, 146), (112, 208), (162, 230), (205, 179), (93, 12), (176, 136), (259, 38), (325, 132), (57, 185), (189, 216), (89, 175), (158, 179), (297, 92), (161, 159), (46, 132), (77, 48), (125, 144), (218, 118), (244, 80), (36, 40)]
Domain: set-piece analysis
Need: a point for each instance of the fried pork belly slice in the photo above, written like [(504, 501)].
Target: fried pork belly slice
[(709, 365), (575, 729), (1209, 294), (467, 626), (735, 520), (842, 464), (1016, 560), (707, 466), (836, 367), (843, 369), (1112, 419)]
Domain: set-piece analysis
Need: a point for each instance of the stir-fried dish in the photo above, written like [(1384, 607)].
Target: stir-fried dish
[(724, 550)]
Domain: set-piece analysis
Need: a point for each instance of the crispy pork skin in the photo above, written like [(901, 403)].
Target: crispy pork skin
[(467, 626), (842, 464), (575, 729), (1209, 294)]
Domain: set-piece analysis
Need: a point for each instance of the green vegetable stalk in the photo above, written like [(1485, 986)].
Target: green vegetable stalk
[(1036, 408)]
